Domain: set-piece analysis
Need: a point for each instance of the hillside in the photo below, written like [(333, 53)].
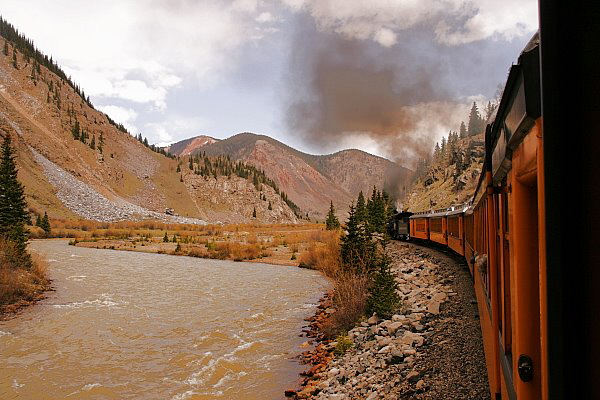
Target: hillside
[(75, 162), (311, 181), (451, 176)]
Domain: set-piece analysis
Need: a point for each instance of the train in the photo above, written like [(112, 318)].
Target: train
[(500, 233)]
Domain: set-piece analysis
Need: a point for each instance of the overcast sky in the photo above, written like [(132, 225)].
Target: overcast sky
[(174, 69)]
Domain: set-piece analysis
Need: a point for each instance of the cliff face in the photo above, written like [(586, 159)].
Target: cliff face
[(310, 181), (108, 174), (451, 178)]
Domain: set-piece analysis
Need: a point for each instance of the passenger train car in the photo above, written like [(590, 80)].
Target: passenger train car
[(498, 234)]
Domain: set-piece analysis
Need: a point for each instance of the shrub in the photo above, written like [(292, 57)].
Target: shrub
[(17, 280), (343, 345), (350, 301)]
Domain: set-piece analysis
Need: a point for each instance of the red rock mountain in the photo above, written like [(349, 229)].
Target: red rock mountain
[(311, 181)]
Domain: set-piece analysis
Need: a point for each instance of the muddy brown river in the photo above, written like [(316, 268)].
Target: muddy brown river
[(124, 325)]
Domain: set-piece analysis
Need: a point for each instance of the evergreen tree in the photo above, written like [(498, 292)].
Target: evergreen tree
[(332, 222), (254, 213), (101, 143), (178, 168), (489, 110), (13, 208), (361, 208), (475, 121), (38, 221), (384, 299), (5, 51), (463, 130), (45, 224), (93, 143), (174, 239), (166, 238), (14, 62), (270, 207), (75, 131), (357, 251)]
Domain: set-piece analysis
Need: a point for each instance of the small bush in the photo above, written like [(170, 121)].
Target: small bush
[(343, 345)]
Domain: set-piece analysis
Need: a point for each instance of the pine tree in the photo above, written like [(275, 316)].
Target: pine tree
[(178, 168), (384, 299), (166, 238), (475, 122), (75, 131), (332, 222), (14, 62), (45, 224), (5, 51), (270, 207), (101, 143), (254, 213), (93, 143), (38, 221), (357, 251), (463, 130), (13, 208), (174, 239), (361, 208), (489, 110)]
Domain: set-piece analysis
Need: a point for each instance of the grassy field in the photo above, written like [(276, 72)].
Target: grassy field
[(282, 244)]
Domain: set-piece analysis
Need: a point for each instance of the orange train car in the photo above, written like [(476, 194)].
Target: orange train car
[(500, 234), (419, 226)]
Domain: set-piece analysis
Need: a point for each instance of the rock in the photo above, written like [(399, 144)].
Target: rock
[(394, 326), (333, 372), (420, 384), (373, 396), (290, 393), (384, 350), (412, 376), (373, 320)]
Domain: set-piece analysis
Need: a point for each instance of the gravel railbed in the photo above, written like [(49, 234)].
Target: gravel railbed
[(431, 349)]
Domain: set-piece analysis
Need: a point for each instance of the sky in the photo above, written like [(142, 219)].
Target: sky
[(386, 76)]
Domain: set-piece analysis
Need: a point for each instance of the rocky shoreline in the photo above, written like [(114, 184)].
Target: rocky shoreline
[(430, 349)]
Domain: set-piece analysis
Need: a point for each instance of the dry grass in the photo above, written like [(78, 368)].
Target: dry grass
[(18, 283), (351, 290)]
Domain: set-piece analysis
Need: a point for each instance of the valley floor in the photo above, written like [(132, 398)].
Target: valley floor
[(431, 349), (269, 244)]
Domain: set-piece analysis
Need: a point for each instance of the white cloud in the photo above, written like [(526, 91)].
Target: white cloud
[(453, 21), (265, 17), (122, 115), (173, 128)]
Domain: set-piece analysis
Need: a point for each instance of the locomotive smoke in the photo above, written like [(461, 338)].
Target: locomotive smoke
[(396, 95)]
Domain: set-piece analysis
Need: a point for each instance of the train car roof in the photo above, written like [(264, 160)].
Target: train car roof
[(441, 213)]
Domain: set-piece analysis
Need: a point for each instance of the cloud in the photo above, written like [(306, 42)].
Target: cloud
[(122, 115), (453, 21), (265, 17), (175, 126)]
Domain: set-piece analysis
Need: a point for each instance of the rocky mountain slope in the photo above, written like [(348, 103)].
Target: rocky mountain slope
[(75, 162), (311, 181), (450, 177)]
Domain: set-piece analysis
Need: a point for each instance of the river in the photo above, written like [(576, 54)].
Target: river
[(125, 325)]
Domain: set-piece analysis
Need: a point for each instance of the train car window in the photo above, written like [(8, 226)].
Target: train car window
[(421, 225), (436, 225)]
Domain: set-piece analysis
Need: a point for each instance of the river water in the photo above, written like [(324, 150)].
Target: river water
[(125, 325)]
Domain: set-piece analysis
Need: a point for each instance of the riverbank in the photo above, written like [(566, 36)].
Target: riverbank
[(21, 287), (431, 349)]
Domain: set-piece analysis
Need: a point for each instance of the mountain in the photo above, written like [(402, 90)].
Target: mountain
[(310, 181), (188, 146), (450, 177), (75, 162)]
